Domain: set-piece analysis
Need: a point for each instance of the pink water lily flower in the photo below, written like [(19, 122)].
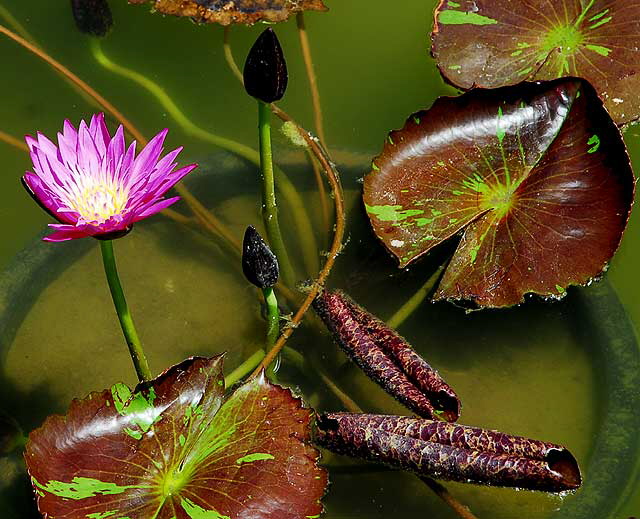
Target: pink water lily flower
[(95, 186)]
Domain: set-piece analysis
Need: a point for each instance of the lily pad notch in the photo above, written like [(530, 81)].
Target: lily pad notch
[(534, 180)]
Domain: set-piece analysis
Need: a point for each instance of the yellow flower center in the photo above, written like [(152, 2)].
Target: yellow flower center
[(97, 200)]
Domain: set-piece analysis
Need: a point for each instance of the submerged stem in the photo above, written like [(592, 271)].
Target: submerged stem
[(415, 300), (12, 141), (269, 205), (311, 76), (122, 309), (461, 510)]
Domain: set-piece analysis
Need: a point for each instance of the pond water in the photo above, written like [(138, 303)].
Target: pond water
[(530, 371)]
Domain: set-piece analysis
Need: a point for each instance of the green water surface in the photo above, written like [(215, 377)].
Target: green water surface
[(522, 371)]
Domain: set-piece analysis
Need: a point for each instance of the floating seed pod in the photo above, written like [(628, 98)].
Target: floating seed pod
[(265, 70), (259, 263), (387, 358), (450, 451), (92, 16)]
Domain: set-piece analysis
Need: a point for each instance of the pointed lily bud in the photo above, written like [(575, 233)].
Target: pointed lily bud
[(259, 264), (450, 451), (387, 358), (265, 71), (92, 16)]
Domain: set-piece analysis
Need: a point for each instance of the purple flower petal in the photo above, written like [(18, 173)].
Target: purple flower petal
[(155, 208), (94, 184), (146, 161), (65, 233)]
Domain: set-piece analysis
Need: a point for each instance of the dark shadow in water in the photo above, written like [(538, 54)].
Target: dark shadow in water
[(602, 326)]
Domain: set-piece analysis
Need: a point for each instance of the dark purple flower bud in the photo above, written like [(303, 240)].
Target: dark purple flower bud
[(265, 71), (387, 358), (450, 451), (259, 264), (92, 16)]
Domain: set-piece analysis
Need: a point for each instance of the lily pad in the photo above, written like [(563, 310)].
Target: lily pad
[(179, 449), (227, 12), (534, 179), (493, 43)]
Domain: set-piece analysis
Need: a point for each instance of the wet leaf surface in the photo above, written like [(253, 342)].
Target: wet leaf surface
[(179, 449), (227, 12), (534, 179), (450, 451), (386, 357), (493, 43)]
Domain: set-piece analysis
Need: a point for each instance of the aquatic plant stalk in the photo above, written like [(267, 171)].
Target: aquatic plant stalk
[(269, 205), (13, 141), (336, 246), (122, 309), (412, 304), (305, 233), (273, 316), (317, 114), (244, 369), (311, 76), (285, 187)]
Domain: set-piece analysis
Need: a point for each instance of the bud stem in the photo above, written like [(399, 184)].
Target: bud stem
[(122, 309), (269, 207), (273, 316)]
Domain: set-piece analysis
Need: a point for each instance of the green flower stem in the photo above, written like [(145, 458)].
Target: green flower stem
[(289, 193), (244, 369), (269, 206), (122, 309), (273, 316)]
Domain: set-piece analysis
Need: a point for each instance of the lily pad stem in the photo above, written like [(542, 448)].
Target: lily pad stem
[(122, 309), (269, 206)]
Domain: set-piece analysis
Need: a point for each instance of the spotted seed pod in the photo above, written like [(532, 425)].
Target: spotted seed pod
[(387, 358), (450, 451)]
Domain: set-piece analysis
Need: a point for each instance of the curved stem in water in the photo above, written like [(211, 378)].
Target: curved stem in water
[(12, 141), (289, 192), (122, 309), (336, 246), (401, 315), (311, 76)]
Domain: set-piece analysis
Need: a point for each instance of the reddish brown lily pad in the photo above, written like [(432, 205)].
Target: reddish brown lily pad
[(227, 12), (534, 178), (179, 449), (493, 43)]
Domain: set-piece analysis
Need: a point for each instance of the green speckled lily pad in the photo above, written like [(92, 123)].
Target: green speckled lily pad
[(179, 449), (493, 43), (534, 178)]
